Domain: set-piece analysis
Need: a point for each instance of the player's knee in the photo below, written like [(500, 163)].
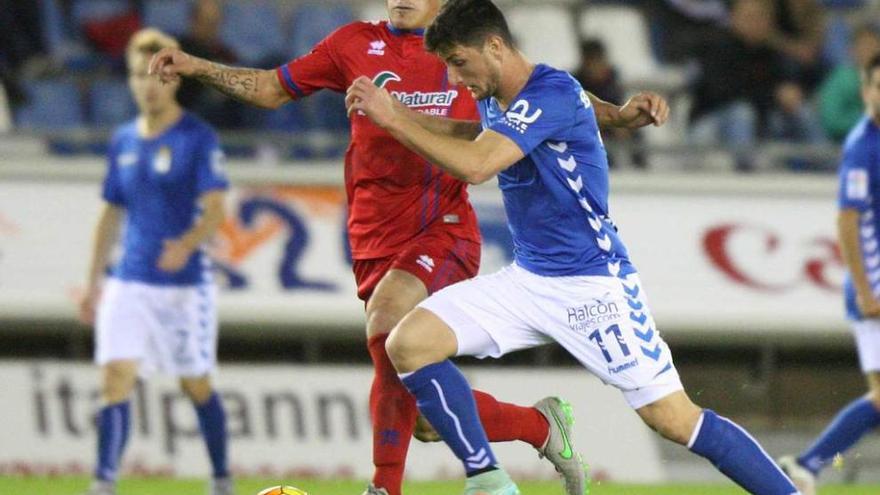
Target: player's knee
[(674, 418), (384, 312), (400, 349), (118, 381), (198, 390)]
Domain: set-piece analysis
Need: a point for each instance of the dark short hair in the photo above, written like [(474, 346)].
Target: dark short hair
[(870, 67), (467, 23), (592, 48)]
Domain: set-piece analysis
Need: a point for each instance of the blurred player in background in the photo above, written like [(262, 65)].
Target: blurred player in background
[(411, 227), (571, 282), (157, 310), (858, 230)]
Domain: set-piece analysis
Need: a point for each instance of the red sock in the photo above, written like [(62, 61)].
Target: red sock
[(505, 422), (393, 414)]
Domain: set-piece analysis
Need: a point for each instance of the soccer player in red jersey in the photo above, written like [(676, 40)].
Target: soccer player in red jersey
[(411, 228)]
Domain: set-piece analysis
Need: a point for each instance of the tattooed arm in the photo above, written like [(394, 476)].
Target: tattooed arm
[(254, 86)]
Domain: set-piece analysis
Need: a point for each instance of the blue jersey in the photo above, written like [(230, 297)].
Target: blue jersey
[(556, 197), (158, 181), (860, 190)]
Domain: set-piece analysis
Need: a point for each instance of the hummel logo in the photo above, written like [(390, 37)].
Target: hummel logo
[(377, 48), (426, 262)]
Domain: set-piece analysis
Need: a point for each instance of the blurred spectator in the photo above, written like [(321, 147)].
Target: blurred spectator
[(22, 42), (679, 26), (743, 84), (799, 33), (840, 99), (203, 40), (599, 77)]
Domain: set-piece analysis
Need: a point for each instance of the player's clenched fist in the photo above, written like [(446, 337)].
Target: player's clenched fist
[(375, 102), (643, 109), (171, 63)]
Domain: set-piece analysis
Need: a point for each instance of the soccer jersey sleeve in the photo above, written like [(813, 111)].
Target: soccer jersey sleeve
[(317, 70), (111, 190), (855, 176), (541, 112), (209, 163)]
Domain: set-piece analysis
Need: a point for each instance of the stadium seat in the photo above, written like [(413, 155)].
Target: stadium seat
[(253, 31), (327, 110), (835, 49), (52, 105), (843, 4), (62, 42), (545, 33), (311, 23), (110, 103), (83, 11), (292, 117), (171, 16)]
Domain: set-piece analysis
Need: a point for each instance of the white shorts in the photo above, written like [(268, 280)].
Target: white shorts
[(604, 322), (867, 333), (171, 330)]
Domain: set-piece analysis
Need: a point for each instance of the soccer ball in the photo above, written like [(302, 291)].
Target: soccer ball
[(282, 490)]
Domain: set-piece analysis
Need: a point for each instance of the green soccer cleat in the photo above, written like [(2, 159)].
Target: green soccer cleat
[(558, 448), (372, 490), (495, 482)]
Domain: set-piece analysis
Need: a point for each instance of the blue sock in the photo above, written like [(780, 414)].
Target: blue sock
[(445, 398), (850, 424), (736, 454), (212, 423), (113, 424)]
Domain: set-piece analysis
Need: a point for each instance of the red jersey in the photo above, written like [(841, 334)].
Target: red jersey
[(393, 193)]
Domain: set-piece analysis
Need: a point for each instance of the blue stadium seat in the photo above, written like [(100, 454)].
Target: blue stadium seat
[(110, 103), (84, 11), (171, 16), (311, 23), (290, 118), (253, 31), (835, 48), (62, 41), (328, 111), (842, 4), (52, 105)]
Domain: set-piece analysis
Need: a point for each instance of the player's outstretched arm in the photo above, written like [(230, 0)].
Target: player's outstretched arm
[(848, 235), (643, 109), (462, 129), (257, 87), (176, 252), (473, 161), (106, 234)]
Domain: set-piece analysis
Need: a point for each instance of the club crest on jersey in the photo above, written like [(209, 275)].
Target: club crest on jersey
[(385, 77), (162, 160), (518, 117), (377, 48)]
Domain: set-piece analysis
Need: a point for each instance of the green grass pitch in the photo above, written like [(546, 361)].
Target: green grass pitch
[(151, 486)]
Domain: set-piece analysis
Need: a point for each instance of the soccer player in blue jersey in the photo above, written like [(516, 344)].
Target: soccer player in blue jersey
[(157, 310), (572, 281), (858, 230)]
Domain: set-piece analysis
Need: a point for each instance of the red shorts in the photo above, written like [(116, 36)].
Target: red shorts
[(437, 257)]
